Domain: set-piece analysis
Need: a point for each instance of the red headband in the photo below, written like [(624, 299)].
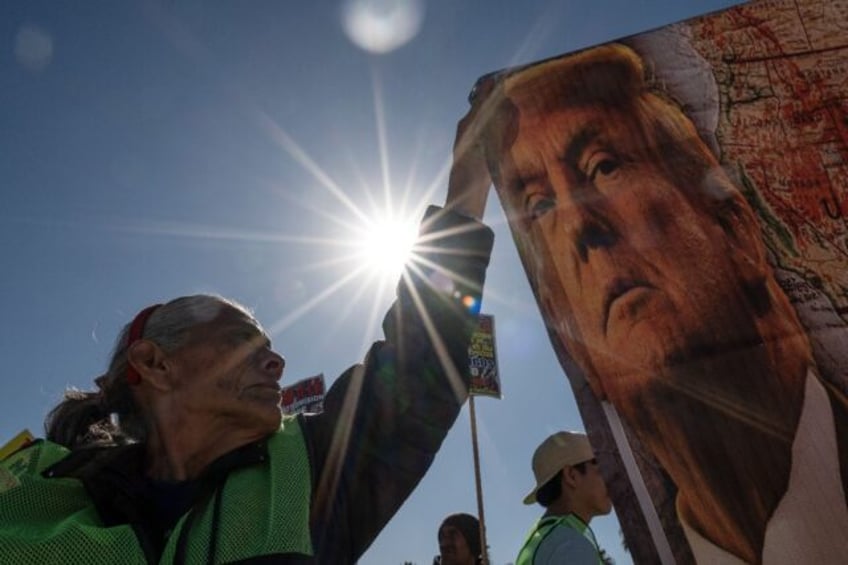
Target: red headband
[(136, 330)]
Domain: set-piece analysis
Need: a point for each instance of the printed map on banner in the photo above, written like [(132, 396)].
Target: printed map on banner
[(305, 396), (782, 70), (482, 361)]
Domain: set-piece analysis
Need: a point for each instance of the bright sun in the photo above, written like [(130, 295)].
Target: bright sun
[(386, 245)]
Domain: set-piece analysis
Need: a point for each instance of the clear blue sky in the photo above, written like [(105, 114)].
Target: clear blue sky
[(155, 149)]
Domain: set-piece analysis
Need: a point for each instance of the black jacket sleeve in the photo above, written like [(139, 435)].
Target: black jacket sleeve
[(384, 420)]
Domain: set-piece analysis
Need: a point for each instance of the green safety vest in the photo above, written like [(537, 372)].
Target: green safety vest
[(545, 526), (263, 509)]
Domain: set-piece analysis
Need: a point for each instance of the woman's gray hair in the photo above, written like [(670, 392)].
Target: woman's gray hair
[(110, 415)]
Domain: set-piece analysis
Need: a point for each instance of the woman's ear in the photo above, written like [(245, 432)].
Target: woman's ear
[(149, 361)]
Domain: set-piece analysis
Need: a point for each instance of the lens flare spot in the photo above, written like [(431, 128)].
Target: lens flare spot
[(381, 26), (33, 48)]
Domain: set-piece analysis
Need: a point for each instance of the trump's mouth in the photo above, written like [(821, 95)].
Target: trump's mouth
[(619, 289)]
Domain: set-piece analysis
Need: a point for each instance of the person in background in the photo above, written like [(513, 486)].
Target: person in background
[(459, 541), (572, 491)]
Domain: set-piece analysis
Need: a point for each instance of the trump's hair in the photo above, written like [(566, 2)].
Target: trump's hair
[(612, 77)]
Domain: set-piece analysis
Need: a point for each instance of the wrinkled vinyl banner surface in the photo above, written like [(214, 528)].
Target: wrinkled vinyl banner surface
[(678, 199)]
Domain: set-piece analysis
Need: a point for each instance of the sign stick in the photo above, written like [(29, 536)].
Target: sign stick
[(484, 550)]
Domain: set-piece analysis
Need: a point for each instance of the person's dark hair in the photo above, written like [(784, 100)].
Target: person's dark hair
[(110, 415), (469, 527), (549, 492)]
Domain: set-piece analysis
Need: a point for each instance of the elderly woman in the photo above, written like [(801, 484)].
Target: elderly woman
[(181, 454)]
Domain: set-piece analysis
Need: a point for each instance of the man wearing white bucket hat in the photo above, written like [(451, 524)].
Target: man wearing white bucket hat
[(570, 488)]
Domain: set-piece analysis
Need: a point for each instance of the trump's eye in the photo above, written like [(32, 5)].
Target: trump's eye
[(537, 205), (601, 164)]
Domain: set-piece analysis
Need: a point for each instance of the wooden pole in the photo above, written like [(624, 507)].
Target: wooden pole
[(484, 551)]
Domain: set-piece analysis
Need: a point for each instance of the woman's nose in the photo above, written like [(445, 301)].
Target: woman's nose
[(273, 363)]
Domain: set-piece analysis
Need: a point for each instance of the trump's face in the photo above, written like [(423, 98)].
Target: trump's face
[(632, 274)]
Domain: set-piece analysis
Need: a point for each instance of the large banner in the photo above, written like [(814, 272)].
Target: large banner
[(678, 201)]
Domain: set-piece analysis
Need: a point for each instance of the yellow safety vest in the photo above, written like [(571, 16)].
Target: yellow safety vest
[(545, 526), (262, 509)]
